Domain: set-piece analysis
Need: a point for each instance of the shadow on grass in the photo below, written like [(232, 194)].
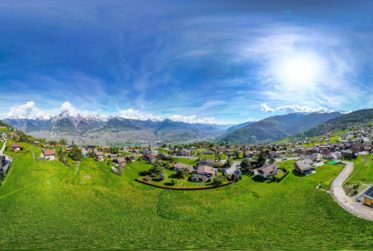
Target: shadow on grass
[(295, 173), (260, 179)]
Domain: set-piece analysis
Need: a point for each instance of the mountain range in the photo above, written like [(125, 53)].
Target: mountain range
[(276, 127), (343, 122), (117, 130)]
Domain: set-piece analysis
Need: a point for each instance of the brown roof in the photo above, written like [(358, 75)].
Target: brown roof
[(15, 146), (267, 169), (180, 166), (99, 154), (49, 152), (121, 160), (206, 170)]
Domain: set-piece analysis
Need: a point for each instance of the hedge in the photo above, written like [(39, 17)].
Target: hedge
[(183, 188)]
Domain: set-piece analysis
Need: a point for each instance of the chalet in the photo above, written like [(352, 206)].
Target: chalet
[(304, 166), (2, 161), (208, 171), (130, 158), (120, 162), (232, 172), (266, 171), (4, 164), (53, 143), (207, 162), (16, 147), (348, 154), (185, 152), (208, 152), (149, 157), (195, 177), (49, 154), (367, 197), (182, 166), (99, 156)]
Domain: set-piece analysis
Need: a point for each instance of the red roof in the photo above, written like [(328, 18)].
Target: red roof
[(49, 152)]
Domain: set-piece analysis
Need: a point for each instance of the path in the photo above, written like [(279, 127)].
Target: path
[(4, 145), (349, 203)]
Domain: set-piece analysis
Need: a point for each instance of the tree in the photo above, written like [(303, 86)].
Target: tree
[(237, 154), (75, 153), (217, 181), (246, 166), (62, 142), (60, 154), (114, 150), (228, 163), (181, 173), (263, 155)]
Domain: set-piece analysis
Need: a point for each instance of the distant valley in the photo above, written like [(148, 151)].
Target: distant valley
[(116, 130)]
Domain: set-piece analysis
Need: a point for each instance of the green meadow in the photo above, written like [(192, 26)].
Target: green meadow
[(363, 172), (45, 205)]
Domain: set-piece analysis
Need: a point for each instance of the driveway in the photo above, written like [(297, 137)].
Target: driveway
[(349, 203)]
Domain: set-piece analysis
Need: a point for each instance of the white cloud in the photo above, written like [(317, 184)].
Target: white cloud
[(293, 108), (265, 108), (299, 108), (136, 114), (27, 110)]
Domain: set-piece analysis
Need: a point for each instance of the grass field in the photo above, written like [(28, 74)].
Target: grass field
[(363, 171), (46, 205)]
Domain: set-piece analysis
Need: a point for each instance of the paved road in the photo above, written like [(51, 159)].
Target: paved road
[(349, 203), (4, 145)]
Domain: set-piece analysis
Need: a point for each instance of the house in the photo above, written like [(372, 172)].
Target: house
[(130, 158), (49, 154), (2, 161), (99, 156), (149, 157), (304, 166), (195, 177), (120, 162), (207, 162), (53, 143), (348, 154), (182, 166), (16, 147), (185, 152), (266, 171), (232, 172), (4, 164), (367, 197), (208, 171)]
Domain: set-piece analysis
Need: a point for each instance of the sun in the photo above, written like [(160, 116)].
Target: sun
[(299, 70)]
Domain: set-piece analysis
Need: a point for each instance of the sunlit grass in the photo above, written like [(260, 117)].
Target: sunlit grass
[(47, 205)]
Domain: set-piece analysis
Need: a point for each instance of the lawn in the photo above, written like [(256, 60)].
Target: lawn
[(46, 205), (363, 171)]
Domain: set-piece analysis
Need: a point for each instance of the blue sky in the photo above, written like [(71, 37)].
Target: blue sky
[(194, 61)]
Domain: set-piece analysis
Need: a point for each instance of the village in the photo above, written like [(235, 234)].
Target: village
[(209, 165)]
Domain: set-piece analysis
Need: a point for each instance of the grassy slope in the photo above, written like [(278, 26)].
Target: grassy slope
[(363, 171), (45, 205)]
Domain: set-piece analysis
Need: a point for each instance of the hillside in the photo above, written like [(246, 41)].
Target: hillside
[(276, 127), (346, 121), (90, 207)]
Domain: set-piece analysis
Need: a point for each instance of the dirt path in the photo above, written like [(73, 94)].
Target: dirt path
[(349, 203)]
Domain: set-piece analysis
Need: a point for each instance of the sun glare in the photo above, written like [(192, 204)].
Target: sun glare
[(297, 71)]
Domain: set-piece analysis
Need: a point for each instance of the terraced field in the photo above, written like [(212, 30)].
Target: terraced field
[(47, 205)]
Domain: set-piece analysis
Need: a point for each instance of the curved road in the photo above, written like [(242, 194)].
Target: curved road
[(349, 203)]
